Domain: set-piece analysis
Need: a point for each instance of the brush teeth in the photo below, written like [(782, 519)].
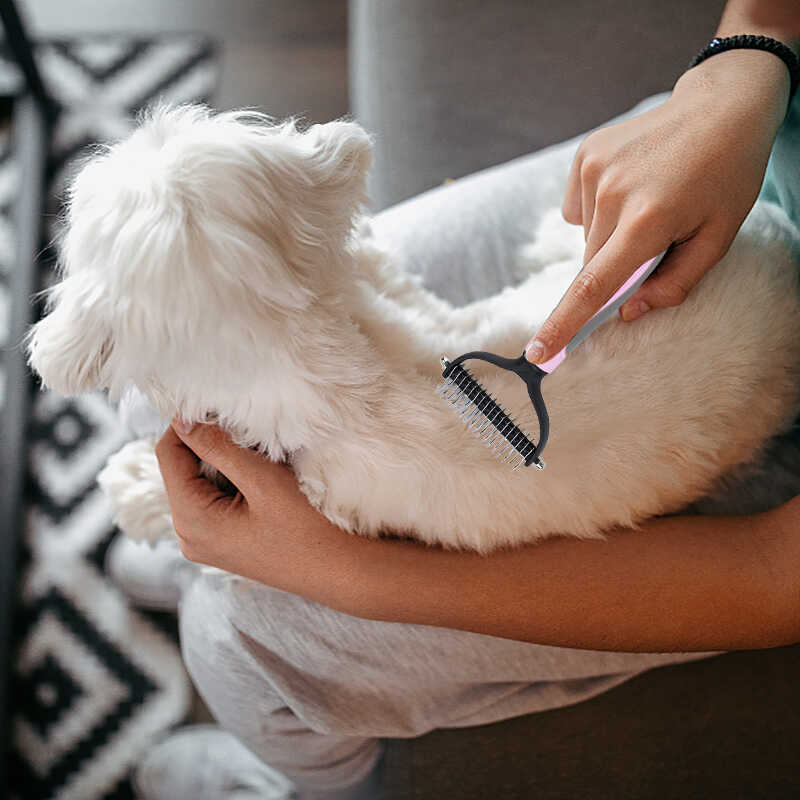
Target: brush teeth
[(485, 417)]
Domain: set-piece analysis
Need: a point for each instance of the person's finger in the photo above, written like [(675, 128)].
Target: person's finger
[(571, 207), (190, 494), (590, 175), (604, 222), (679, 272), (211, 444), (626, 250)]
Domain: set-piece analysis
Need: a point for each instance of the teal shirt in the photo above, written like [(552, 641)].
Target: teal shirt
[(782, 180)]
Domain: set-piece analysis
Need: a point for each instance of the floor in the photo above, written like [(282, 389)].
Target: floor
[(283, 56)]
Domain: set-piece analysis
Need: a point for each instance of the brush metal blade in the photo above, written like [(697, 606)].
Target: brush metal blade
[(485, 417)]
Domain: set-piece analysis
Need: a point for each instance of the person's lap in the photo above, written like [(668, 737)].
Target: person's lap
[(311, 691)]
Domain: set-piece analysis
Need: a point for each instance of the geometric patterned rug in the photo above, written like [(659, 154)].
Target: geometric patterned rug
[(96, 680)]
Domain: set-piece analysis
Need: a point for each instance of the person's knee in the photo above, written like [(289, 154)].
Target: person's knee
[(261, 655), (206, 633)]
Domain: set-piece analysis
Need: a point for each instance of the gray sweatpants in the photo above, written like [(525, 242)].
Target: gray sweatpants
[(311, 690)]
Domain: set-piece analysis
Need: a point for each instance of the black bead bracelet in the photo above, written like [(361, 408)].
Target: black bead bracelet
[(751, 42)]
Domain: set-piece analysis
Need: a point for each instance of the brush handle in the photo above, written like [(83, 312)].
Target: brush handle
[(606, 312)]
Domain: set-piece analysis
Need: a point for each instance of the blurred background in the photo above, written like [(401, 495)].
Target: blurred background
[(285, 56)]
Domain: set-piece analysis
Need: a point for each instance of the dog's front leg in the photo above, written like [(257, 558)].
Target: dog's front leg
[(132, 482)]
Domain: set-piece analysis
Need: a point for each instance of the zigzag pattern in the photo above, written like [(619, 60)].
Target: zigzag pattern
[(95, 680)]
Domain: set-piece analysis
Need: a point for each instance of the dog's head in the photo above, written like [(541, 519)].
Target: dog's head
[(198, 230)]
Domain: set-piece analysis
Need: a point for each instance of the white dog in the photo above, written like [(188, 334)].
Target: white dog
[(220, 263)]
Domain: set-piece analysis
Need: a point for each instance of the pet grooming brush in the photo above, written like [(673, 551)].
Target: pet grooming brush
[(488, 419)]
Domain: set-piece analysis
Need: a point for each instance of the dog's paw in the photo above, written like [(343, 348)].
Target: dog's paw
[(132, 482), (555, 241)]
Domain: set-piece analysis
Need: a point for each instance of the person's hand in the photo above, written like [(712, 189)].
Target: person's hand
[(737, 590), (684, 175), (269, 531)]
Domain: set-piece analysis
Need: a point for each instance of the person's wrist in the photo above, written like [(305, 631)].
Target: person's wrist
[(740, 77), (328, 565), (739, 94)]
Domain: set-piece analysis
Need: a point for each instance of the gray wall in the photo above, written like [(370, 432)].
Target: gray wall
[(450, 86)]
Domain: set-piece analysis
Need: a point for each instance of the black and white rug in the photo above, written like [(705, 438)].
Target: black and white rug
[(95, 680)]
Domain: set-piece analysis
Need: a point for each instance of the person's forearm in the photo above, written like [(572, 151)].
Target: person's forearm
[(745, 91), (744, 75), (779, 19), (679, 584)]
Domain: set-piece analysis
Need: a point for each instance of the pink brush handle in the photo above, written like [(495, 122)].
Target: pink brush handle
[(628, 283), (551, 363), (616, 300)]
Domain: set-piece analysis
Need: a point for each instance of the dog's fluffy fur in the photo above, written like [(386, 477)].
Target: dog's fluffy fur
[(221, 264)]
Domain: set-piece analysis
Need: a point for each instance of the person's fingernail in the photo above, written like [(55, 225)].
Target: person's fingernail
[(182, 426), (534, 351), (632, 311)]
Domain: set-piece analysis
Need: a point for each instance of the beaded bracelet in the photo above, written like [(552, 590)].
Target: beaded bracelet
[(750, 42)]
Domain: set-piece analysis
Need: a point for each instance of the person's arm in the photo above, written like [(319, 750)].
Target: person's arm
[(779, 19), (684, 174), (678, 584)]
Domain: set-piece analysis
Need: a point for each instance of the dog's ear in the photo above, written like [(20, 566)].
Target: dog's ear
[(70, 346), (342, 160)]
